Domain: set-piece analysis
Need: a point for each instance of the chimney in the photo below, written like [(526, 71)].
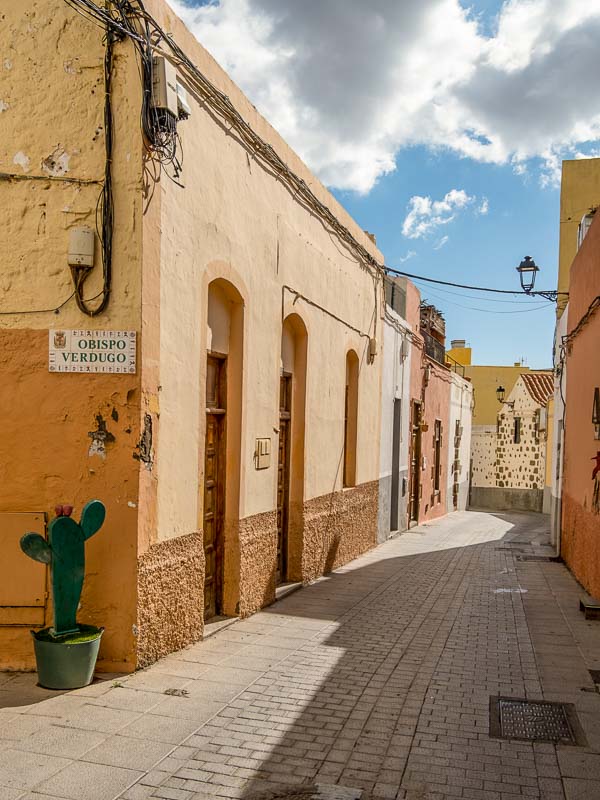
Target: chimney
[(458, 344)]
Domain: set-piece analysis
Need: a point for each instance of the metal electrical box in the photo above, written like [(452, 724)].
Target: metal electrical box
[(164, 85)]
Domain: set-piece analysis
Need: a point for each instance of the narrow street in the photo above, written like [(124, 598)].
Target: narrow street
[(376, 678)]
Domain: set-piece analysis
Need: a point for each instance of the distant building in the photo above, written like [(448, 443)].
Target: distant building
[(487, 380), (425, 419), (520, 462)]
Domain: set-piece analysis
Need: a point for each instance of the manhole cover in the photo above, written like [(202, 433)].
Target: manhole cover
[(539, 558), (535, 721)]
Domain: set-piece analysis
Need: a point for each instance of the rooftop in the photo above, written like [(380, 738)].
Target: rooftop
[(540, 385)]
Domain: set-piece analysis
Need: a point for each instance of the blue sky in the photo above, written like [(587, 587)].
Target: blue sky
[(439, 124), (482, 250)]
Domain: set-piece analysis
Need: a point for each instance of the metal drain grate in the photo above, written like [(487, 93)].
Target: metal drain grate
[(535, 721), (539, 558)]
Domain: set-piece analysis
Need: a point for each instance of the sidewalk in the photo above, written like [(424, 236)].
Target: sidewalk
[(377, 678)]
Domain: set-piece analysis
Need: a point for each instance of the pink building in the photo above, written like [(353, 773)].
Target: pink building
[(580, 540)]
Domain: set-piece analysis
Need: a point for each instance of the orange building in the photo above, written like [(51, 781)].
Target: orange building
[(580, 540)]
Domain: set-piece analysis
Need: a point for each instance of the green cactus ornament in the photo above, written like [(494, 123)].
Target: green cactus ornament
[(65, 553)]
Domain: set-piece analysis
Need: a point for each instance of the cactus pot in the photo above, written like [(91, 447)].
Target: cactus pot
[(66, 662)]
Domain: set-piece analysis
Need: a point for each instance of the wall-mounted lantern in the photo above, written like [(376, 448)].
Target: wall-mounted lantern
[(527, 270), (500, 394)]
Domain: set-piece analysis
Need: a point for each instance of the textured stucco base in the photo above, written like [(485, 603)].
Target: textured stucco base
[(258, 561), (339, 527), (499, 499), (580, 544), (170, 597)]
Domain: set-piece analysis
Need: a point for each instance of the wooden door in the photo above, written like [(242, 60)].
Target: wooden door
[(415, 462), (214, 485), (395, 494), (283, 475)]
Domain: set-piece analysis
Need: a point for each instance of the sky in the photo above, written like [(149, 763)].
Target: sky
[(439, 125)]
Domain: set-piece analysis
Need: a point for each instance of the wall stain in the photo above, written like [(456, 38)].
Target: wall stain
[(100, 438), (144, 446)]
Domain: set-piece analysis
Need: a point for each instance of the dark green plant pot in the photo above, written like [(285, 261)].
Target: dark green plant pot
[(66, 662)]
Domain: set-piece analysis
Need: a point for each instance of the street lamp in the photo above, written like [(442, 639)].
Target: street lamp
[(500, 393), (527, 270)]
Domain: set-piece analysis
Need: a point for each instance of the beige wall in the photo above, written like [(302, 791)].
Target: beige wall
[(234, 221)]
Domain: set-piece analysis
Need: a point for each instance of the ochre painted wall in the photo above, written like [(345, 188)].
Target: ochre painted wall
[(579, 192), (580, 540), (51, 130)]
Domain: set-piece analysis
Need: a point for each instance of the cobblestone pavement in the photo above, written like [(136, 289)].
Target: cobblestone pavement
[(376, 679)]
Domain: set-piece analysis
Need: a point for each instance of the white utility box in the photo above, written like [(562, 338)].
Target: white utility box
[(164, 85)]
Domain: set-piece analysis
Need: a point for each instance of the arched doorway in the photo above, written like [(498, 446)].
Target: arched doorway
[(290, 462), (222, 445)]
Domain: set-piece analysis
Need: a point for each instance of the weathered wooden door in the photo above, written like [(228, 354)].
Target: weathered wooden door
[(395, 492), (214, 484), (283, 475), (415, 462)]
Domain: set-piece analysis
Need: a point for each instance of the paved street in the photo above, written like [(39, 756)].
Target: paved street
[(376, 678)]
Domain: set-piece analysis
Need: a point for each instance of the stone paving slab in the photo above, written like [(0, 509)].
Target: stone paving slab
[(374, 680)]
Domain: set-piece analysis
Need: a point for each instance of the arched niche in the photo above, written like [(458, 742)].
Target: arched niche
[(292, 402), (222, 447)]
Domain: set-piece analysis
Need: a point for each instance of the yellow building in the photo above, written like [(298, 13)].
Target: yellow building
[(579, 194), (237, 453), (485, 380)]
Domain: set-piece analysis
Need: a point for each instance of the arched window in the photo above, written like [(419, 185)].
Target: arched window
[(350, 418)]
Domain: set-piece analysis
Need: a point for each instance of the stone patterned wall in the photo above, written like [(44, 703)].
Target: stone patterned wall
[(483, 455), (339, 527), (170, 597), (520, 465)]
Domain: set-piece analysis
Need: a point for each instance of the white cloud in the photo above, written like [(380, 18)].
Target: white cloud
[(425, 215), (441, 243), (484, 207), (408, 256), (349, 84)]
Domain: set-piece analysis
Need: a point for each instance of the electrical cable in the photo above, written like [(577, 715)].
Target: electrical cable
[(457, 285), (12, 176), (54, 310), (104, 206), (537, 307), (479, 298)]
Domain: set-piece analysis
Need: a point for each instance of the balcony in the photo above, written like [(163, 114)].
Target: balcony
[(434, 349)]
